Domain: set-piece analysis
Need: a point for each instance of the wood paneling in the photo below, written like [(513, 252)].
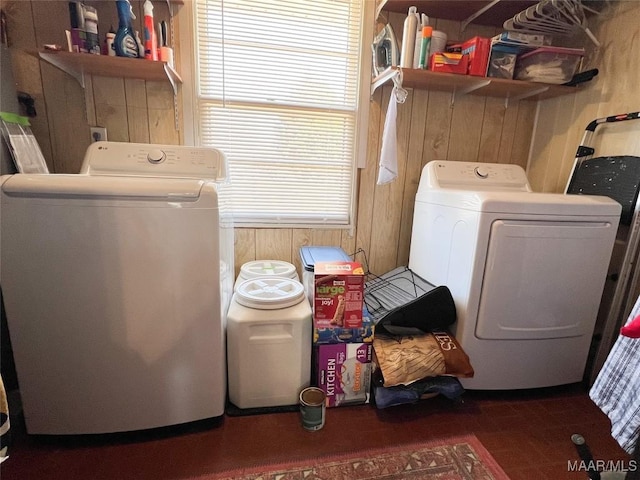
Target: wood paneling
[(561, 121)]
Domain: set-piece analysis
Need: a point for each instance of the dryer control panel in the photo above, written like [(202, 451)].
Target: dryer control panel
[(147, 160), (476, 176)]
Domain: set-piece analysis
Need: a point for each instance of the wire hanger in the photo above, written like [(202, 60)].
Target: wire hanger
[(552, 17)]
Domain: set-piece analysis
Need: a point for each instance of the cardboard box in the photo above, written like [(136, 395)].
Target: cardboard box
[(310, 255), (478, 49), (339, 294), (534, 39), (446, 62), (327, 335), (343, 372)]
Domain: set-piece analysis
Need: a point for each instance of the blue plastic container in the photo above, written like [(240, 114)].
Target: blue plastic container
[(310, 255)]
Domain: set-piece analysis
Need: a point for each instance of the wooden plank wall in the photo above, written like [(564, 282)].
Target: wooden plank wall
[(131, 110), (562, 121), (429, 127)]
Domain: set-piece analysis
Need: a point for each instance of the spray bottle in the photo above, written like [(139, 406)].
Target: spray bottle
[(409, 38), (424, 22), (150, 36), (125, 43)]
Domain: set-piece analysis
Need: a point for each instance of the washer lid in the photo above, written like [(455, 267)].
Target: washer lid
[(102, 187), (269, 293), (532, 203), (267, 268)]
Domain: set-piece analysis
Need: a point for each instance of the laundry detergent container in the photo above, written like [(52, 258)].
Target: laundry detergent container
[(266, 268), (268, 342), (311, 255)]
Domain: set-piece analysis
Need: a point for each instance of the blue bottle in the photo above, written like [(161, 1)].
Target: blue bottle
[(125, 43)]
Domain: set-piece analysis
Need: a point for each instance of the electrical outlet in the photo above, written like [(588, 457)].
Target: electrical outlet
[(98, 134)]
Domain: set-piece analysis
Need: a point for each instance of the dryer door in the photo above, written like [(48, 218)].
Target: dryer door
[(543, 279)]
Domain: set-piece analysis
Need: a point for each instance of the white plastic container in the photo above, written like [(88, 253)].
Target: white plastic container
[(438, 42), (268, 343), (266, 268)]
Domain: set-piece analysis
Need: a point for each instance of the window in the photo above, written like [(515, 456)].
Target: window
[(279, 89)]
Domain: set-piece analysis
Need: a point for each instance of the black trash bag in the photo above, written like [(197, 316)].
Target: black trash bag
[(433, 311)]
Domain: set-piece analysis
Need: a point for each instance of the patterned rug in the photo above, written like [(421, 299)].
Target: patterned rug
[(457, 458)]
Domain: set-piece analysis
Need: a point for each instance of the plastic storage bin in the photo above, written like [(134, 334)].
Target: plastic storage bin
[(554, 65), (268, 343), (266, 268), (309, 256)]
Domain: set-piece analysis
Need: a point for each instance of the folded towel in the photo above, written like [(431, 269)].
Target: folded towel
[(388, 170)]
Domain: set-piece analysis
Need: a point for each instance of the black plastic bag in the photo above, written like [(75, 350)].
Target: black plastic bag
[(435, 310)]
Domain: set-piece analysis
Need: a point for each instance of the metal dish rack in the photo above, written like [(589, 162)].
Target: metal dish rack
[(390, 290)]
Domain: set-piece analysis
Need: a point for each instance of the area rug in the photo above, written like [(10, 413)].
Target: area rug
[(456, 458)]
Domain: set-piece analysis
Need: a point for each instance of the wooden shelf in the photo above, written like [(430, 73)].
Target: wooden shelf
[(79, 64), (466, 84)]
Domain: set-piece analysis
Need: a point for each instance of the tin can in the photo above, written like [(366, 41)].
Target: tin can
[(312, 408)]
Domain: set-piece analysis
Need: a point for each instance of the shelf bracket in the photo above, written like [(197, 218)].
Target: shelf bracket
[(380, 7), (53, 60), (475, 86), (464, 91), (530, 93), (171, 75), (478, 13)]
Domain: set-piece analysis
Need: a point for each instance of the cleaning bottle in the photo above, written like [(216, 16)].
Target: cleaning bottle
[(416, 53), (150, 36), (125, 42), (409, 38), (109, 39), (424, 47)]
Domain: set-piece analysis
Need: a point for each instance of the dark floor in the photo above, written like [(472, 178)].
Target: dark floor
[(527, 432)]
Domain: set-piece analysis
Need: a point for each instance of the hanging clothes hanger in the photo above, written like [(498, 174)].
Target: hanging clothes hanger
[(552, 17)]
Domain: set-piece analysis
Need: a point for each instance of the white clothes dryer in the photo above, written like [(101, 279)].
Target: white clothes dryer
[(116, 284), (526, 270)]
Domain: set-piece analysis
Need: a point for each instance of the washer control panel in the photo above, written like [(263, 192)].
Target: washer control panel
[(473, 175), (147, 160)]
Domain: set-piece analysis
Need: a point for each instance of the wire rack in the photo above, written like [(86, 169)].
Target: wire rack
[(393, 289)]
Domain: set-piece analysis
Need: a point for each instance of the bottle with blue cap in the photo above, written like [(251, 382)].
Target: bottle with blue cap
[(125, 43)]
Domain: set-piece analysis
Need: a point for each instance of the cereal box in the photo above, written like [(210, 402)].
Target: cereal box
[(343, 372), (339, 293)]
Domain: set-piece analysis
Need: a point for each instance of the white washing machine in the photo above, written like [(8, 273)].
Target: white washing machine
[(526, 270), (116, 284)]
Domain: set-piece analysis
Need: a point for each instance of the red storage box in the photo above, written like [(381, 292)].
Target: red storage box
[(449, 63), (478, 49)]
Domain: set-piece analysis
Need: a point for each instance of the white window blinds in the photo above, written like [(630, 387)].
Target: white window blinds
[(277, 91)]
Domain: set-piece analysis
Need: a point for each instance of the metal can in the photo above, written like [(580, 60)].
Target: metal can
[(312, 408)]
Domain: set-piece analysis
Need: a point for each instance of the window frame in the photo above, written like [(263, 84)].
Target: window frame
[(185, 52)]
